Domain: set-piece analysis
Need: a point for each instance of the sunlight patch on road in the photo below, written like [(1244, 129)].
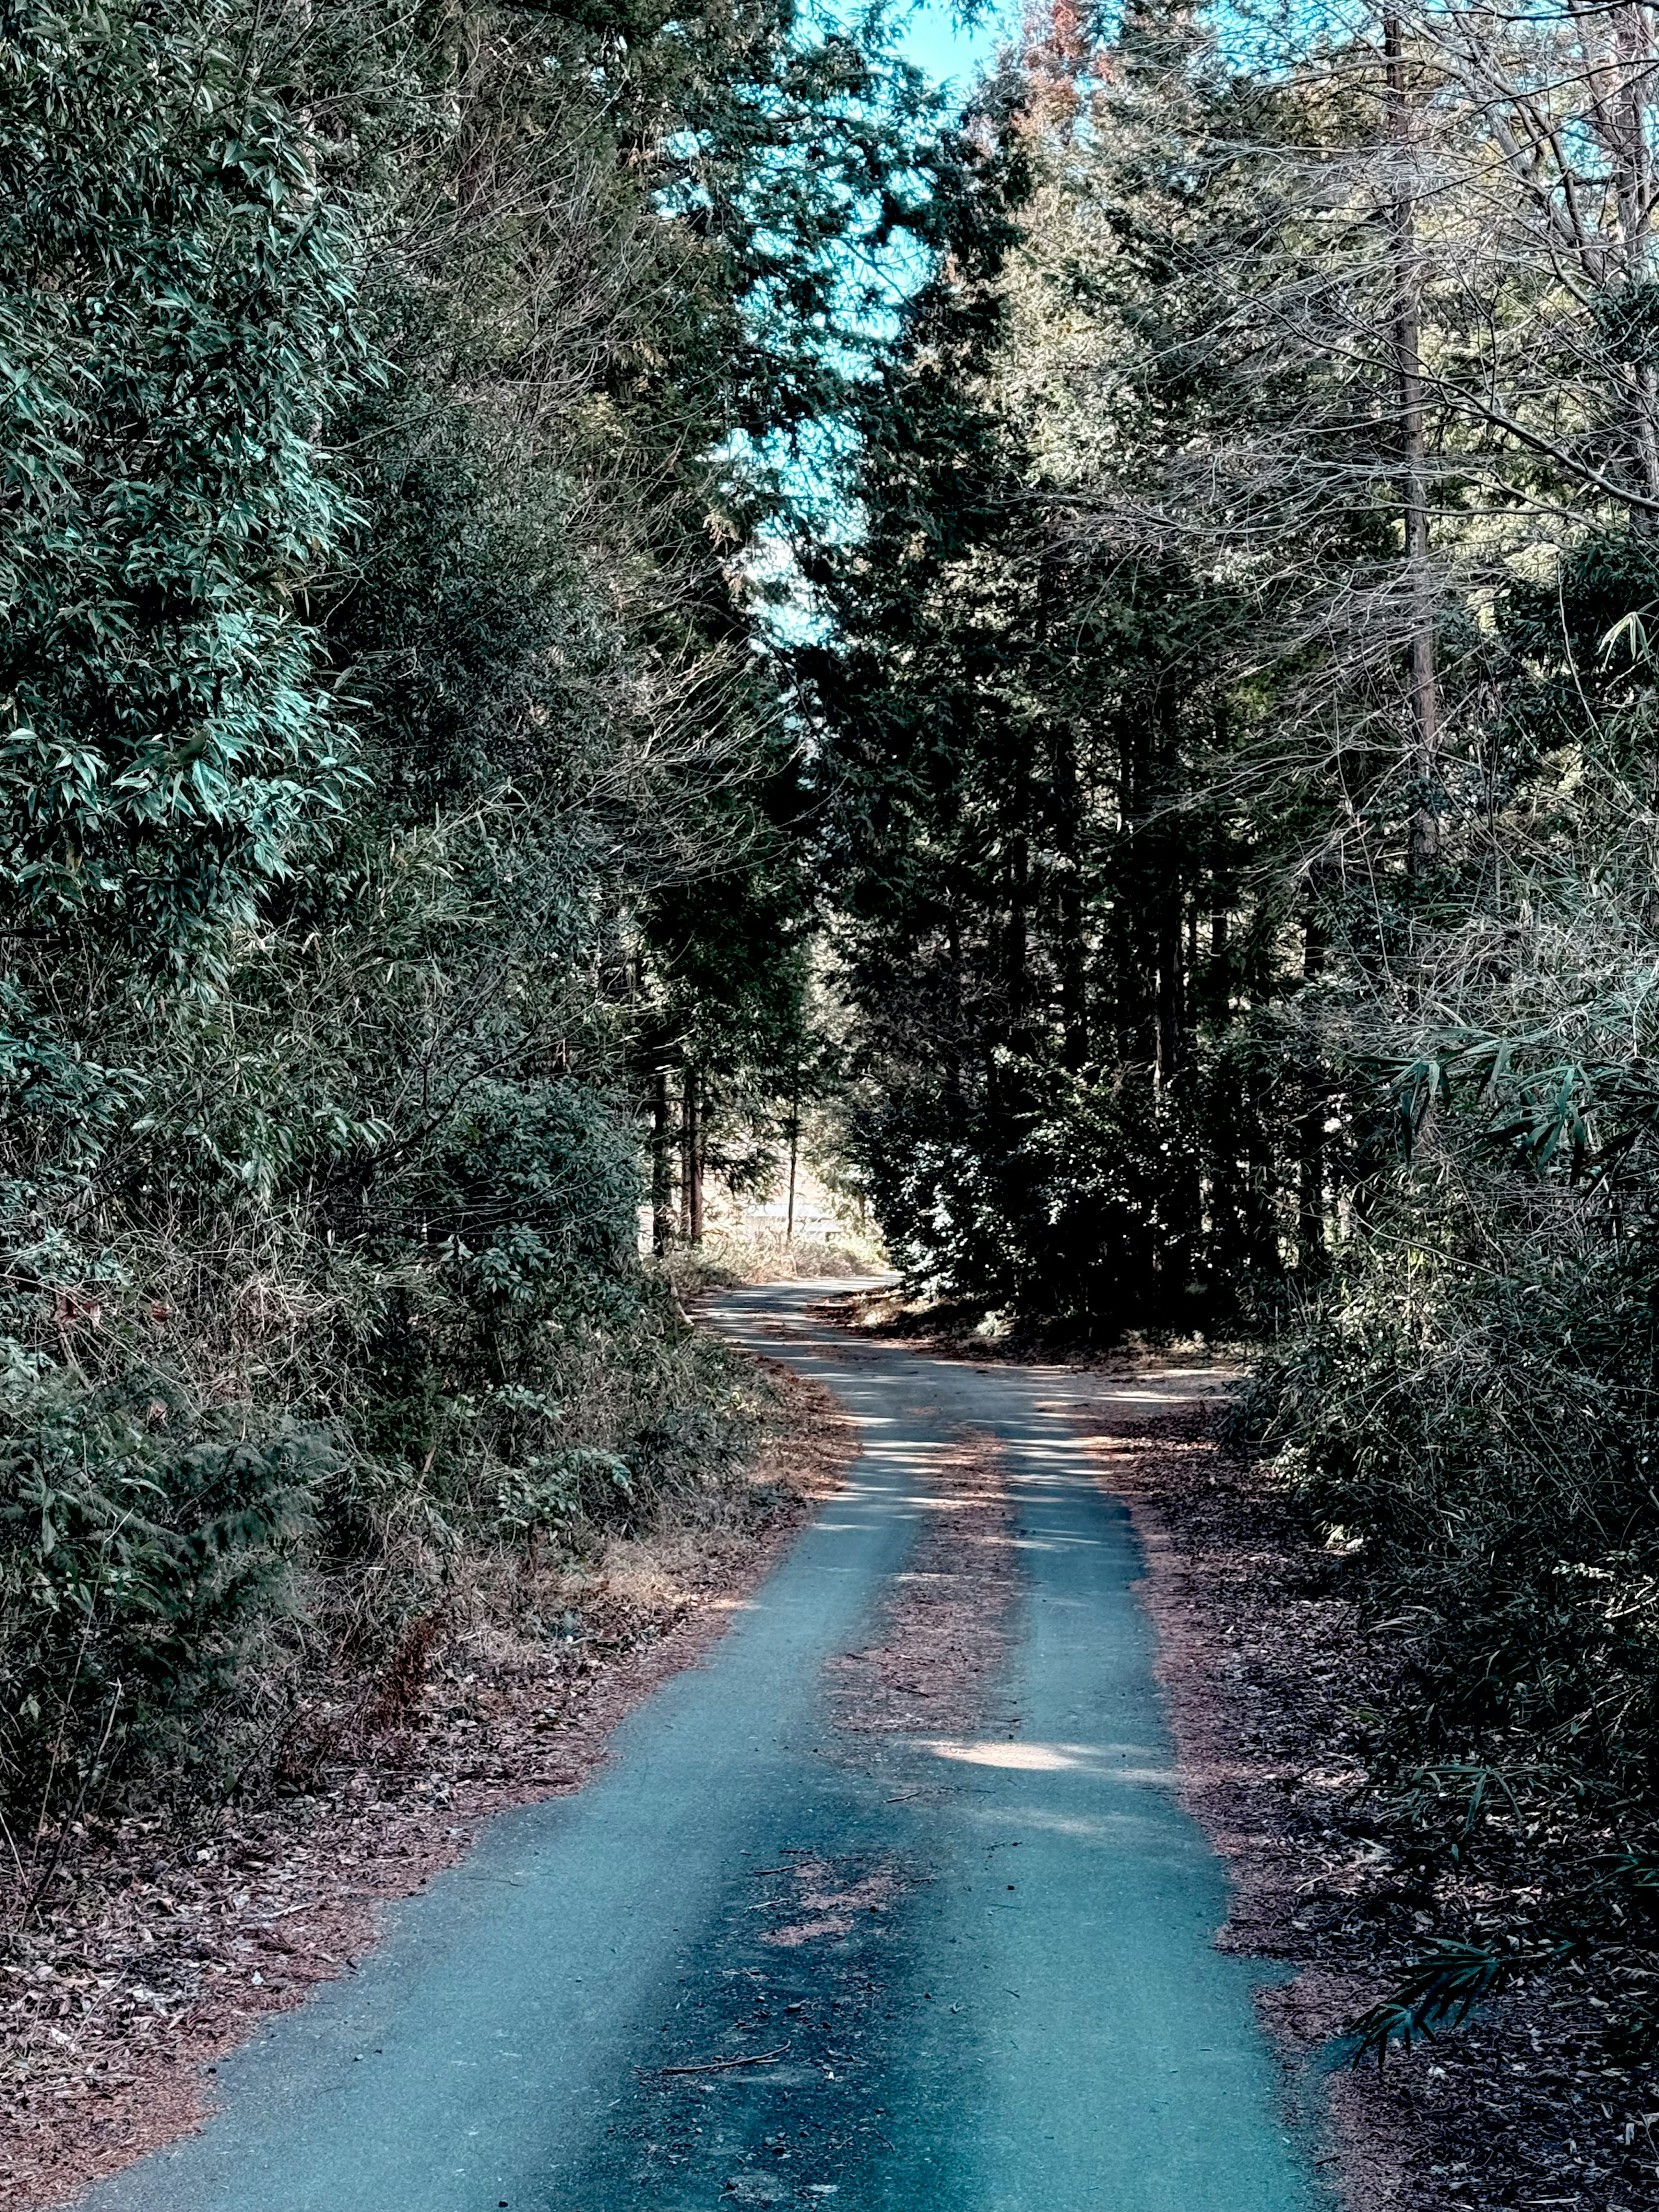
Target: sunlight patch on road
[(1023, 1758), (1112, 1762)]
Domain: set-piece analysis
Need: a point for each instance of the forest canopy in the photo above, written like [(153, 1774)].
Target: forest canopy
[(393, 801)]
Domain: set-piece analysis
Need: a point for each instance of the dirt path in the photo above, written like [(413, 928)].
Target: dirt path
[(888, 1904)]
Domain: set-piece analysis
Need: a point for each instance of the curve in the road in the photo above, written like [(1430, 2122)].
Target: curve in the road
[(941, 2039)]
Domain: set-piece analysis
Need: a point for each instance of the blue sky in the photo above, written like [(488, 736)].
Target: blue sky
[(936, 37)]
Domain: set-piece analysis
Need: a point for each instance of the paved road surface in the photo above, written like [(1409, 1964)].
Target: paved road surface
[(1070, 2043)]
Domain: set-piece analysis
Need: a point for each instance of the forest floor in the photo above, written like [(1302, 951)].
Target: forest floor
[(164, 1943), (1273, 1682)]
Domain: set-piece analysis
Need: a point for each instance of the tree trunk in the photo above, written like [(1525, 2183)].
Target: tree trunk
[(1016, 943), (953, 1097), (1073, 957), (794, 1156), (662, 1173), (1169, 895), (690, 1158), (1312, 1252), (1423, 835), (1171, 993)]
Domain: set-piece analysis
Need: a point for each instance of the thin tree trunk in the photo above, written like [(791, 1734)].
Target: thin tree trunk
[(1073, 959), (1170, 898), (1016, 944), (1423, 835), (699, 1162), (794, 1156), (690, 1159), (1171, 992), (953, 1098), (1634, 47), (1312, 1253), (662, 1175)]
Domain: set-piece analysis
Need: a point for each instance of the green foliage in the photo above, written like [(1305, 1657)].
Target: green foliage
[(1445, 1985), (1443, 1988), (140, 1548), (1469, 1407), (1487, 1438), (1079, 1210), (1024, 735), (391, 409), (176, 311), (1235, 720), (546, 1492)]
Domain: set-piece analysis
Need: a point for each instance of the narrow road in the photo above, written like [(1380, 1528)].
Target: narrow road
[(963, 1976)]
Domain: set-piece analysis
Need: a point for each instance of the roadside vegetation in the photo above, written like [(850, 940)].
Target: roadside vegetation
[(398, 890), (1240, 710)]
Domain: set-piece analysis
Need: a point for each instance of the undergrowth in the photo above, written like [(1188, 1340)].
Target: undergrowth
[(1468, 1406)]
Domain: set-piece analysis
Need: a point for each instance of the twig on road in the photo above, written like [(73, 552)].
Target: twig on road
[(717, 2065)]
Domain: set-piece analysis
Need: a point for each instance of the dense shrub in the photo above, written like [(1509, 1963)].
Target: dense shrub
[(140, 1548), (1486, 1441), (1098, 1202)]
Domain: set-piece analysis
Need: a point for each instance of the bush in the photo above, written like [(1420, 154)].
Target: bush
[(1098, 1201), (140, 1548), (1485, 1443)]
